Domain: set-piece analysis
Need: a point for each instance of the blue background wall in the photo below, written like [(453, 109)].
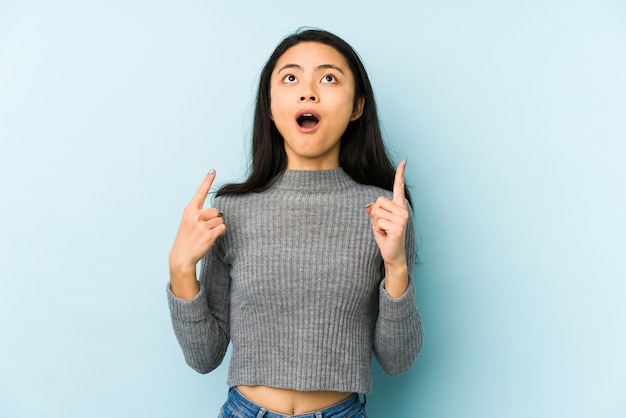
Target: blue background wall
[(511, 114)]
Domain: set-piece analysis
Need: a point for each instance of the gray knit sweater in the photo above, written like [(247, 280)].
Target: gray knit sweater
[(296, 284)]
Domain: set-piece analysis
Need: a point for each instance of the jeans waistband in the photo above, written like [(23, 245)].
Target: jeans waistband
[(242, 405)]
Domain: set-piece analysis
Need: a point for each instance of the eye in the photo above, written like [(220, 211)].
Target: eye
[(289, 78), (329, 78)]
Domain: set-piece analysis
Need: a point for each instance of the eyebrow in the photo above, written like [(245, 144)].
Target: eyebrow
[(319, 67)]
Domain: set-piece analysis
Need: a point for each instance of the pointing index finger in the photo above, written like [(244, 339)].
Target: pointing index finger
[(203, 191), (399, 197)]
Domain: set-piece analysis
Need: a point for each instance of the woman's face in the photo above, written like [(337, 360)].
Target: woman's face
[(311, 103)]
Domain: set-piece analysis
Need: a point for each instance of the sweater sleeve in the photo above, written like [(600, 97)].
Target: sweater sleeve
[(201, 324), (398, 334)]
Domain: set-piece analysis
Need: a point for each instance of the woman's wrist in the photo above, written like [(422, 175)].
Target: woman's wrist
[(183, 281), (396, 279)]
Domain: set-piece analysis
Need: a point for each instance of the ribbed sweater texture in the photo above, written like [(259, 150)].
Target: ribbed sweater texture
[(297, 285)]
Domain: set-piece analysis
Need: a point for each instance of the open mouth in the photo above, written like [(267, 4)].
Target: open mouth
[(308, 120)]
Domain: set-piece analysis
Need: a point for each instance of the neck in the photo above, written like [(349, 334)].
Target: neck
[(312, 165), (327, 162)]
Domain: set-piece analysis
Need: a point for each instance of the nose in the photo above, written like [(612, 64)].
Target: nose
[(308, 90)]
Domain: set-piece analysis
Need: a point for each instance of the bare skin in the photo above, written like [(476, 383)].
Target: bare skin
[(291, 402), (308, 76), (313, 78), (197, 232)]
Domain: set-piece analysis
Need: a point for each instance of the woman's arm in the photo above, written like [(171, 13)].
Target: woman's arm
[(199, 310), (201, 324), (398, 334)]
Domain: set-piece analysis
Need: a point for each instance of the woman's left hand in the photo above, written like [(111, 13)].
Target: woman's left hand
[(389, 222)]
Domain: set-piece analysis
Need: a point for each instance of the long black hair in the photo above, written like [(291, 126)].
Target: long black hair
[(362, 154)]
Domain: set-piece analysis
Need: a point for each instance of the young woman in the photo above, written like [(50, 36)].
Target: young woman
[(307, 265)]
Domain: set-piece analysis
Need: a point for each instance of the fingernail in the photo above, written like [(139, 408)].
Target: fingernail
[(212, 171), (220, 214), (405, 160)]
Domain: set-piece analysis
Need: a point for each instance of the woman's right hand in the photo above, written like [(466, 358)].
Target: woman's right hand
[(198, 231)]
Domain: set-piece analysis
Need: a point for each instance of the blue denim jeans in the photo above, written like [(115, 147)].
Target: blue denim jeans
[(238, 406)]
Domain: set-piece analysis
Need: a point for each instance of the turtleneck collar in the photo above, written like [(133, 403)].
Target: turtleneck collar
[(312, 180)]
